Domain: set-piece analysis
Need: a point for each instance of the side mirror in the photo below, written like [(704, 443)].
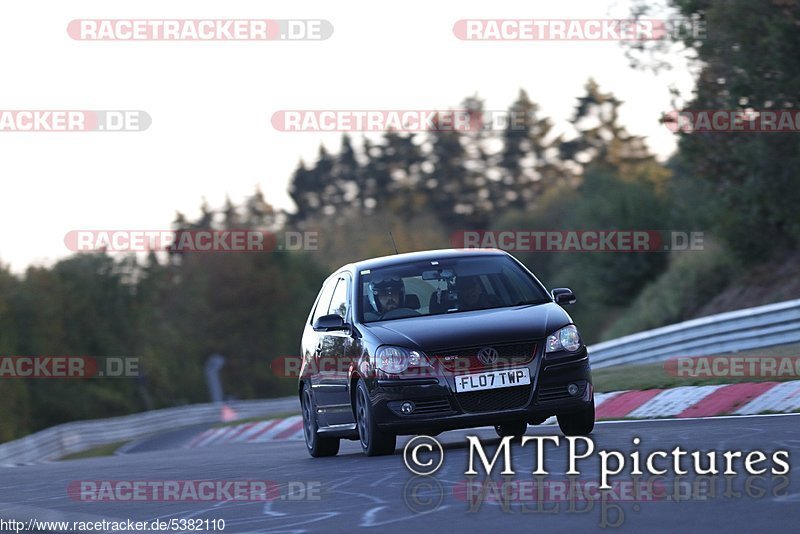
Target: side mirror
[(327, 323), (563, 295)]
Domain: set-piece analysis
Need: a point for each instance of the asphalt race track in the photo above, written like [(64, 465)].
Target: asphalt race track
[(351, 490)]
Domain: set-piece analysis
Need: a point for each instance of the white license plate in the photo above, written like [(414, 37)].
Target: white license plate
[(493, 380)]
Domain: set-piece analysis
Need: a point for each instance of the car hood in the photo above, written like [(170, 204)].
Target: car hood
[(465, 329)]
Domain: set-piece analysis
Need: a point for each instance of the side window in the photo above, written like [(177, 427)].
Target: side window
[(324, 299), (339, 303)]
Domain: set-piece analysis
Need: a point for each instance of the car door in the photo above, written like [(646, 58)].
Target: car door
[(335, 356), (312, 340)]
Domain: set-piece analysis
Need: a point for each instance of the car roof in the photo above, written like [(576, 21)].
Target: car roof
[(423, 255)]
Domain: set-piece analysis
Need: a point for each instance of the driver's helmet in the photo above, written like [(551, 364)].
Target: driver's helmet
[(393, 284)]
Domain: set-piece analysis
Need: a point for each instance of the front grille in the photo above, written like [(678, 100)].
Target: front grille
[(495, 399), (466, 359), (552, 393), (435, 406)]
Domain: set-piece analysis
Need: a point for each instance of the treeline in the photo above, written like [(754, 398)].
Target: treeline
[(170, 316), (172, 311), (465, 178)]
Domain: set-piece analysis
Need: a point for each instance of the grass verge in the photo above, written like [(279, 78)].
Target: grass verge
[(95, 452)]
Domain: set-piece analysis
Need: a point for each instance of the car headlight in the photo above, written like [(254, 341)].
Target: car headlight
[(565, 339), (395, 360)]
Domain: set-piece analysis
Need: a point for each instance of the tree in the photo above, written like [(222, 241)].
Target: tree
[(602, 142), (261, 214), (748, 60), (305, 193), (453, 188), (14, 397), (526, 162)]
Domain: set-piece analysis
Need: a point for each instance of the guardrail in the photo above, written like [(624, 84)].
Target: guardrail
[(68, 438), (750, 328)]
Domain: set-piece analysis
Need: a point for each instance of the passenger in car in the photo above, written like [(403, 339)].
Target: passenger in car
[(472, 295)]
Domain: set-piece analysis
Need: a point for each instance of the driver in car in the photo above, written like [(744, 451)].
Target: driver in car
[(389, 293)]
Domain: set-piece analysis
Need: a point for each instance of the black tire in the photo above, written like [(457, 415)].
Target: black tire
[(578, 423), (374, 441), (317, 445), (516, 429)]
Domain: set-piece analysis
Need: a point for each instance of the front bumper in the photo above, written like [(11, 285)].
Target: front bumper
[(438, 408)]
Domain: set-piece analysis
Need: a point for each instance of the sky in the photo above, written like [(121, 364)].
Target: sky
[(211, 102)]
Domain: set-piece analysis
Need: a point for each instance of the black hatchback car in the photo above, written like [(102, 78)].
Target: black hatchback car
[(425, 342)]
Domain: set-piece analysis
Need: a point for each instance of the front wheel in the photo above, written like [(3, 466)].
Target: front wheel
[(578, 423), (317, 445), (374, 441)]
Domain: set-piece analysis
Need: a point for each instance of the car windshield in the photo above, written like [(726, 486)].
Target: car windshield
[(445, 286)]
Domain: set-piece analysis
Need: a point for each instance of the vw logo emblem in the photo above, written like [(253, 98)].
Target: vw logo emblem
[(488, 355)]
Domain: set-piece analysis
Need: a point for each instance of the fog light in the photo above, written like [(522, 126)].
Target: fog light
[(407, 407), (573, 389)]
